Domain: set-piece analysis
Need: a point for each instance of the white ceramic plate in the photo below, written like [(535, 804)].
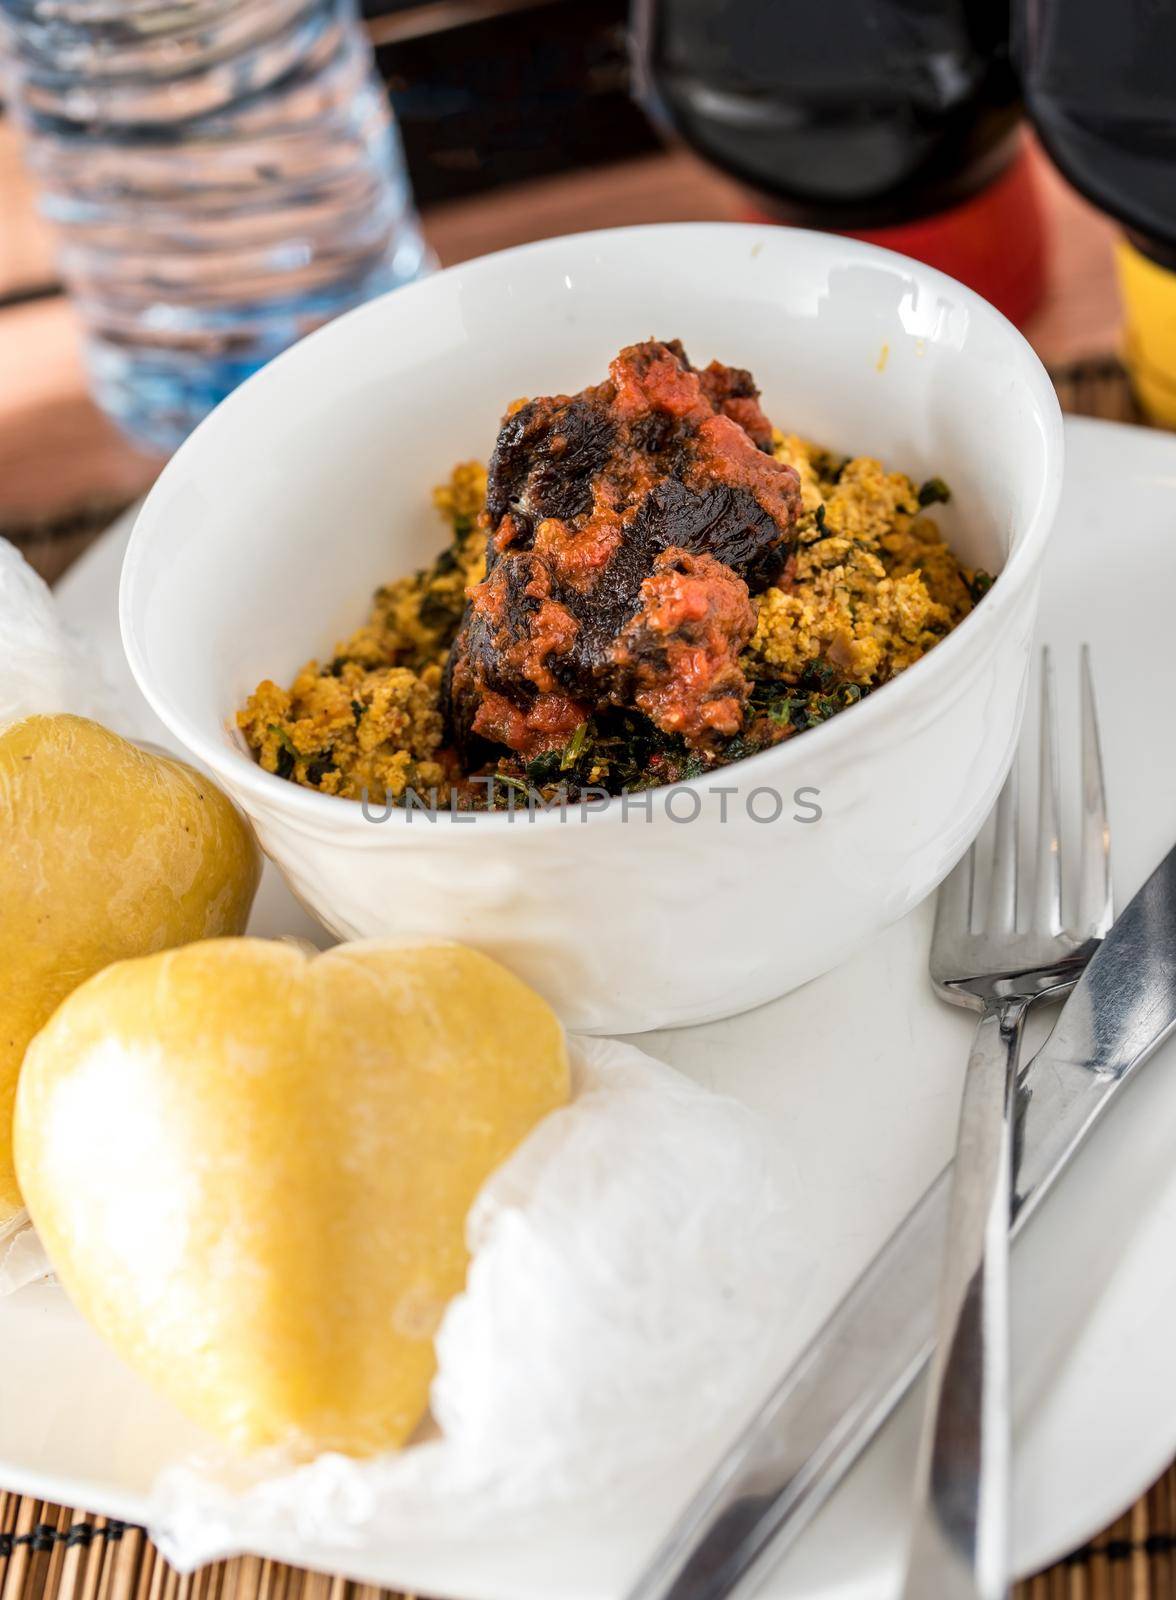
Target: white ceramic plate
[(858, 1075)]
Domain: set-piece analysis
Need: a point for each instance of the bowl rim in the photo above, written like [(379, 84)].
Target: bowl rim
[(239, 772)]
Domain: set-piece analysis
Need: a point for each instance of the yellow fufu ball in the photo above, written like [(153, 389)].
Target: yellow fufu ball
[(252, 1168)]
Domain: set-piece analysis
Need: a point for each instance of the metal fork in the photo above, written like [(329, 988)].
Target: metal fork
[(959, 1548)]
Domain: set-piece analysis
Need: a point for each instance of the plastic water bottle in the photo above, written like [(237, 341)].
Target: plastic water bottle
[(223, 175)]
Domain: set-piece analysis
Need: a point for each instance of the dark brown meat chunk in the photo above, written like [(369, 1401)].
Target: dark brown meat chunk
[(627, 525)]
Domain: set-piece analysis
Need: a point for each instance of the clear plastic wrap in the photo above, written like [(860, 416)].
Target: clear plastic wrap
[(44, 667), (22, 1256)]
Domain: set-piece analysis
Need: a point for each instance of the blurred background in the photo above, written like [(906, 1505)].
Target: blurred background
[(518, 120)]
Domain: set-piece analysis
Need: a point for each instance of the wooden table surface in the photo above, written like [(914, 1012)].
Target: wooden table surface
[(59, 458)]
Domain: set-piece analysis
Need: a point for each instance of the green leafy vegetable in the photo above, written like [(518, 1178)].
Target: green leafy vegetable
[(933, 491), (574, 748)]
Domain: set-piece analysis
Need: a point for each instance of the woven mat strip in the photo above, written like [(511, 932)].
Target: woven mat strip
[(50, 1553), (1096, 388)]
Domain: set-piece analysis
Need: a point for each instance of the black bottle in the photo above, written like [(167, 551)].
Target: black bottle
[(865, 116)]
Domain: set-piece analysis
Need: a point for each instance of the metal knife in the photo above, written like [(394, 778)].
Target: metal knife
[(844, 1386)]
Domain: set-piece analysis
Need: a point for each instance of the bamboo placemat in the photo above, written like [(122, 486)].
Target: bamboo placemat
[(50, 1553)]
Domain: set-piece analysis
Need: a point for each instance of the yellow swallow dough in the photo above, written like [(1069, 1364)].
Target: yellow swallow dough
[(106, 851), (252, 1169)]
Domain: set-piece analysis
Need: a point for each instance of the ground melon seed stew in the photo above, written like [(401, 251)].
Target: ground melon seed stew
[(648, 582)]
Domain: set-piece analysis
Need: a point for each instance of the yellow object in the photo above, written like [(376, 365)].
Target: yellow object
[(252, 1168), (108, 852), (1149, 301)]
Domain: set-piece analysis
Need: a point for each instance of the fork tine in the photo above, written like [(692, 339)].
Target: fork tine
[(1002, 889), (953, 904), (1047, 894), (1096, 908)]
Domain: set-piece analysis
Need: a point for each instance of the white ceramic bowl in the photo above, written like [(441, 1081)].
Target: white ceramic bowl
[(262, 540)]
